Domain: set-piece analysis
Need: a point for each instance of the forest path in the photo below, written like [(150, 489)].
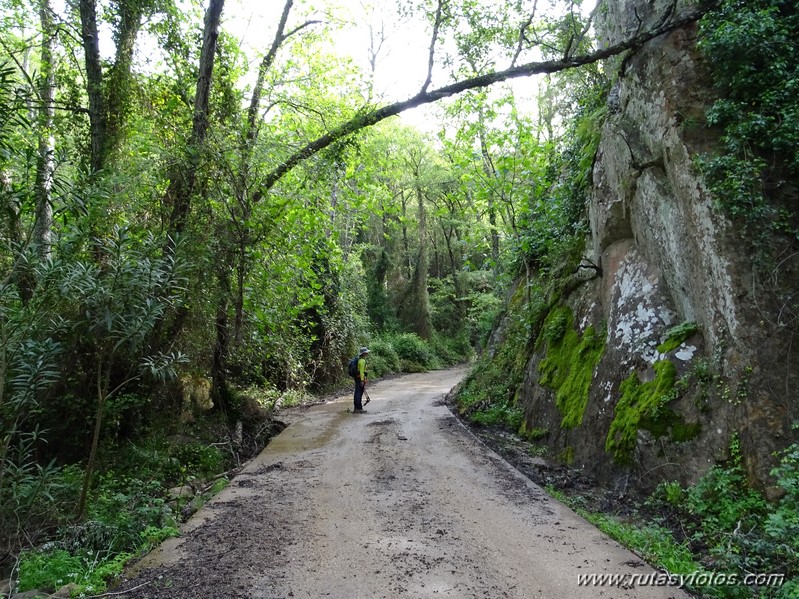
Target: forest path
[(400, 502)]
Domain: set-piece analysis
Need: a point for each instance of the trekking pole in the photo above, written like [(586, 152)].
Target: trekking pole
[(368, 399)]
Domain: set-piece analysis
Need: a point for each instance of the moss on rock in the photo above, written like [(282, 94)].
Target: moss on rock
[(568, 367), (639, 401), (676, 335)]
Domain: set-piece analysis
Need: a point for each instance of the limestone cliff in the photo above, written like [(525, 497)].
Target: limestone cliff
[(696, 348)]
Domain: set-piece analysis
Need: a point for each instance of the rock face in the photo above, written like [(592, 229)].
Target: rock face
[(668, 259)]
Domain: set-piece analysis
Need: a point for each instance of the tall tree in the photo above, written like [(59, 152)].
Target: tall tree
[(45, 167), (98, 117), (183, 176)]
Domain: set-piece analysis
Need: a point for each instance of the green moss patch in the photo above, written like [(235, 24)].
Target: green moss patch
[(568, 367), (639, 401), (668, 423), (676, 335)]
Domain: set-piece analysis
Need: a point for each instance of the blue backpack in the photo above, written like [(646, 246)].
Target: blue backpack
[(352, 367)]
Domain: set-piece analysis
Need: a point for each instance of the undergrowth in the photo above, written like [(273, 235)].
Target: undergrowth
[(129, 512), (714, 529)]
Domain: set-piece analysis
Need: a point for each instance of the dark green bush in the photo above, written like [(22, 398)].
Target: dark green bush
[(732, 525), (383, 358), (414, 353)]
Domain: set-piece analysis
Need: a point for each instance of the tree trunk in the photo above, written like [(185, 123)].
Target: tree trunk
[(130, 17), (101, 387), (94, 82), (221, 346), (405, 242), (415, 311), (183, 177), (45, 165), (490, 171), (424, 327)]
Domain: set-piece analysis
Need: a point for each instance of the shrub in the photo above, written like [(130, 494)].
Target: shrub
[(414, 353), (498, 414), (383, 358), (454, 350), (751, 48), (731, 524), (484, 310)]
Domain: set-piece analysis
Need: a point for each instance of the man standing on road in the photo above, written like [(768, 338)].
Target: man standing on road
[(360, 380)]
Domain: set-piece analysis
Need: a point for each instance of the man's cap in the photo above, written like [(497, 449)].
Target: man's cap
[(364, 350)]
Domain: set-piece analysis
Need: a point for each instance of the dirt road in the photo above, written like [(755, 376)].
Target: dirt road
[(399, 502)]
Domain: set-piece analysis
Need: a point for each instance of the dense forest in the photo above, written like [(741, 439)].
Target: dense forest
[(195, 230)]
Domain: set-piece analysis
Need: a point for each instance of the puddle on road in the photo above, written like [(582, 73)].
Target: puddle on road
[(312, 432)]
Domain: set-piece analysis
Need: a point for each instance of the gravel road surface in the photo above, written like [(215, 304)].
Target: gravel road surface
[(400, 502)]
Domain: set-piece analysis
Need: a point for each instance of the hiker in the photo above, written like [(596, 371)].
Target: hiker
[(360, 380)]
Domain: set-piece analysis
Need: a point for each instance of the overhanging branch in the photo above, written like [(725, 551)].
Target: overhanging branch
[(368, 119)]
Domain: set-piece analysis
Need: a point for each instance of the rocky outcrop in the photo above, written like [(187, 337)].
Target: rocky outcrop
[(685, 315)]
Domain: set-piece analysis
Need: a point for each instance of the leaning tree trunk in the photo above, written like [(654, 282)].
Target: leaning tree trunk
[(232, 252)]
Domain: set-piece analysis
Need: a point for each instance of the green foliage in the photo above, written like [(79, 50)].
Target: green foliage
[(568, 367), (446, 308), (732, 525), (126, 517), (383, 358), (170, 462), (51, 570), (495, 377), (496, 414), (414, 353), (269, 397), (782, 524), (484, 309), (652, 542), (751, 48), (727, 508), (31, 362), (452, 350), (553, 224), (532, 434), (638, 401), (671, 492)]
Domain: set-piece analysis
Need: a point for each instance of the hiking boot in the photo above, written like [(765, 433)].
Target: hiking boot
[(359, 411)]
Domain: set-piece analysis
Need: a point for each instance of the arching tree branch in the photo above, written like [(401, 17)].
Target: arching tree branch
[(372, 117)]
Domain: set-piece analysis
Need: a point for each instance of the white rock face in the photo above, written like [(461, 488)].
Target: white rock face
[(640, 311)]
